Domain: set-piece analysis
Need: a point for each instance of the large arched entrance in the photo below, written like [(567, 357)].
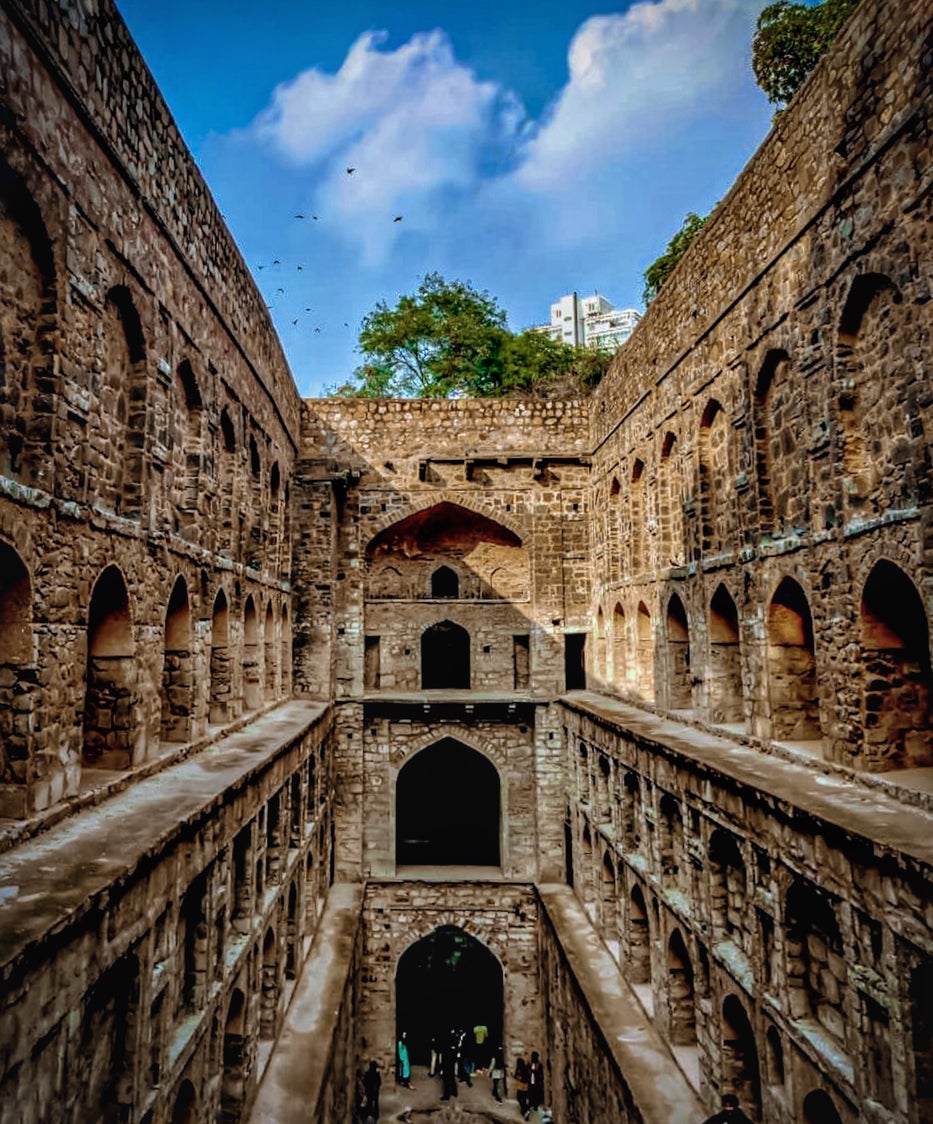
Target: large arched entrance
[(447, 808), (447, 980)]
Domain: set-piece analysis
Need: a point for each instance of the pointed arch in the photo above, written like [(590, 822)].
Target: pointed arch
[(285, 636), (236, 1057), (741, 1072), (714, 467), (17, 664), (27, 322), (111, 694), (445, 582), (679, 688), (897, 682), (445, 657), (269, 650), (221, 686), (120, 434), (638, 938), (177, 696), (619, 648), (780, 433), (189, 418), (252, 683), (795, 711), (726, 701), (645, 653), (637, 516), (432, 830), (670, 496), (680, 992)]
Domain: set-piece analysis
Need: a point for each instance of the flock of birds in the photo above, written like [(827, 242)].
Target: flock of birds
[(277, 262)]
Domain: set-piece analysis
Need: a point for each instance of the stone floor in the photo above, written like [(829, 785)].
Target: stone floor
[(474, 1104)]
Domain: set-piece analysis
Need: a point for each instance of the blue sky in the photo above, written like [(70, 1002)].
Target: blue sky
[(531, 149)]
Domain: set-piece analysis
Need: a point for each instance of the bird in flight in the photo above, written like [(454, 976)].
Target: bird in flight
[(398, 218), (314, 217), (317, 329), (299, 216), (307, 310), (300, 268), (350, 171), (260, 267), (275, 261), (280, 290), (294, 322)]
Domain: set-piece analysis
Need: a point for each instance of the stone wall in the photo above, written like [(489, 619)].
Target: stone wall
[(145, 463), (751, 907), (150, 946), (762, 472)]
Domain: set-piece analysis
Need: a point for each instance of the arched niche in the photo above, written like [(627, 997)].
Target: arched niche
[(221, 685), (795, 709), (638, 938), (448, 803), (445, 582), (780, 434), (679, 689), (252, 683), (874, 336), (645, 652), (818, 1108), (445, 657), (120, 432), (447, 979), (268, 634), (741, 1072), (271, 986), (714, 468), (17, 663), (185, 1108), (189, 415), (286, 642), (488, 558), (619, 648), (236, 1059), (670, 499), (897, 684), (681, 997), (111, 692), (177, 696), (725, 665), (27, 311)]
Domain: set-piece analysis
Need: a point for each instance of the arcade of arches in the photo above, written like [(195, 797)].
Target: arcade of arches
[(606, 723)]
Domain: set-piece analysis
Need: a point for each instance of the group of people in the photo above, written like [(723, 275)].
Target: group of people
[(454, 1058)]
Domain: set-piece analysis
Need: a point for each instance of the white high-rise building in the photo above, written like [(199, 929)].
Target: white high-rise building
[(590, 322)]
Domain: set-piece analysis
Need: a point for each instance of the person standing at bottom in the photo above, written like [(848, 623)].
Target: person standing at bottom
[(403, 1065), (497, 1073), (535, 1082), (371, 1083), (521, 1084), (448, 1067)]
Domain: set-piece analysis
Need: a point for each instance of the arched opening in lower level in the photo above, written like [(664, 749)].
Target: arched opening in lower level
[(448, 980), (447, 802)]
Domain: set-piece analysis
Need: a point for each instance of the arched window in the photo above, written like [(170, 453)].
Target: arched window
[(609, 904), (816, 970), (229, 532), (221, 709), (897, 691), (111, 699), (599, 671), (447, 808), (637, 517), (185, 1110), (795, 708), (671, 829), (445, 582), (286, 641), (679, 688), (714, 468), (725, 671), (775, 1057), (177, 667), (780, 434), (445, 657)]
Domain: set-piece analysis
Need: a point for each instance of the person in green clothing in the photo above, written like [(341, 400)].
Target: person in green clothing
[(480, 1034)]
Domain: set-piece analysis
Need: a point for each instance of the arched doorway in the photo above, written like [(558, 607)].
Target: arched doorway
[(177, 697), (795, 707), (445, 657), (111, 694), (447, 808), (818, 1108), (447, 979)]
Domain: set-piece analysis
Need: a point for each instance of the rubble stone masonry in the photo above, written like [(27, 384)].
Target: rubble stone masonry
[(630, 696)]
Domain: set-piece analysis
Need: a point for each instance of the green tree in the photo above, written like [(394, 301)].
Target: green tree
[(448, 340), (789, 39), (661, 268)]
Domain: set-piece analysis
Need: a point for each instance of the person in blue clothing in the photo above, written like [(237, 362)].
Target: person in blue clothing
[(403, 1065)]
